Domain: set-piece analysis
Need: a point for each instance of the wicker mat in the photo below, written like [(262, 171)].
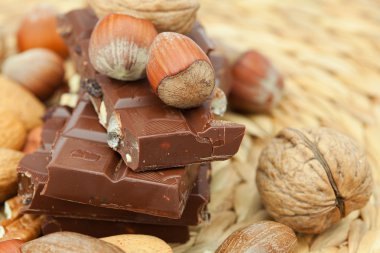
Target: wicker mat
[(329, 54)]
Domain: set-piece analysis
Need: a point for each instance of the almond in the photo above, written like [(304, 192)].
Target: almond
[(68, 242), (38, 70), (12, 131), (9, 160), (16, 99), (139, 243)]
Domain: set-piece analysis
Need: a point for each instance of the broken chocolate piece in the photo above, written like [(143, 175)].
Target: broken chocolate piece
[(33, 176), (84, 169)]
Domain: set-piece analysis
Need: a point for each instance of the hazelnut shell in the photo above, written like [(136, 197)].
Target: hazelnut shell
[(119, 46), (179, 72), (257, 86), (38, 29)]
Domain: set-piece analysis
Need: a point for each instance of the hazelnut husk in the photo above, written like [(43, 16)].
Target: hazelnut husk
[(263, 236), (39, 70), (166, 15), (309, 179), (256, 85), (38, 29)]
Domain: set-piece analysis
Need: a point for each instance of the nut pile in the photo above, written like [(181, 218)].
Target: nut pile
[(307, 179)]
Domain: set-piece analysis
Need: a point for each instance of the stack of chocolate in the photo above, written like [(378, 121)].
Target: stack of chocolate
[(155, 178)]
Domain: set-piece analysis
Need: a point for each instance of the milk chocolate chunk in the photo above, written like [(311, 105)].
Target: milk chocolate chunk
[(84, 169), (150, 135), (54, 119), (33, 176), (96, 228)]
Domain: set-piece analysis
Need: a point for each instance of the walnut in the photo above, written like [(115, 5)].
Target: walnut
[(311, 178), (167, 15)]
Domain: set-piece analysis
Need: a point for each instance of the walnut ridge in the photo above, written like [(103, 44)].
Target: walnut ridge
[(311, 178)]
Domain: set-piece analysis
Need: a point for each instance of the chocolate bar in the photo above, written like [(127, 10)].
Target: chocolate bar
[(148, 134), (54, 120), (84, 169), (33, 177), (96, 228)]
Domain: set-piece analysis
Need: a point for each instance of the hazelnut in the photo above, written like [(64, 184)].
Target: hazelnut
[(38, 29), (39, 70), (167, 15), (309, 179), (256, 86), (119, 46), (179, 72), (263, 237), (11, 246)]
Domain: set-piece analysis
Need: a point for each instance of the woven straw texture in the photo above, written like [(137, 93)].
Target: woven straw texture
[(329, 54)]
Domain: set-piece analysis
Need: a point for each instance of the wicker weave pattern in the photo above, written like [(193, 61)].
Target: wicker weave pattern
[(329, 53)]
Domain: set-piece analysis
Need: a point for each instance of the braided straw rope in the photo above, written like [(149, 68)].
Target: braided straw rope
[(329, 54)]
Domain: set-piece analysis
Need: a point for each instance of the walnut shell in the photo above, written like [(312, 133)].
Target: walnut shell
[(167, 15), (311, 178)]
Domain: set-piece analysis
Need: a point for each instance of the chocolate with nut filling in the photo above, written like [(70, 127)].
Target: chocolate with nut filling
[(150, 135), (96, 228), (84, 169)]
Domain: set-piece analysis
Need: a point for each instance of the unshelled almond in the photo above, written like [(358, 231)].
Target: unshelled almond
[(38, 70), (68, 242), (22, 103), (9, 160), (12, 131), (139, 243)]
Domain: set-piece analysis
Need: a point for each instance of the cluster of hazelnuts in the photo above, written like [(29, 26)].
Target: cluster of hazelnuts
[(129, 48)]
